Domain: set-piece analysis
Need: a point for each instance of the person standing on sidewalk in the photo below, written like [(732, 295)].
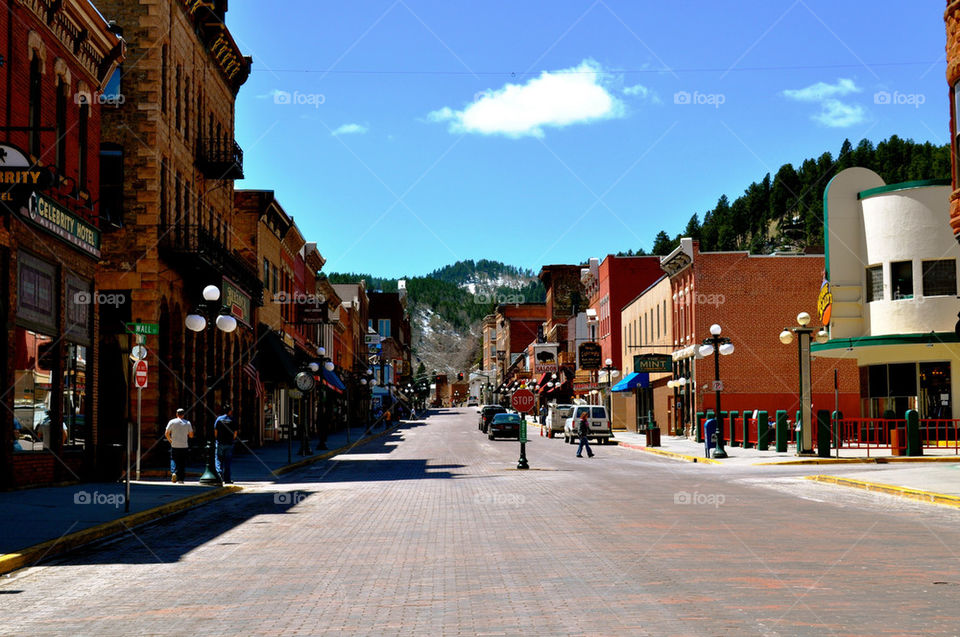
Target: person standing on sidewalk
[(178, 434), (225, 432), (584, 430)]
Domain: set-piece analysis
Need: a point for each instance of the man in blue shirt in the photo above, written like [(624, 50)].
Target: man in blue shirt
[(225, 432)]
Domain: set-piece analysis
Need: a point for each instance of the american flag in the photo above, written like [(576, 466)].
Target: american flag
[(252, 372)]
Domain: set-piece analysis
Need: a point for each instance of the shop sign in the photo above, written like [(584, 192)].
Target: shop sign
[(582, 388), (824, 303), (590, 354), (237, 300), (18, 178), (654, 363), (545, 358), (62, 223)]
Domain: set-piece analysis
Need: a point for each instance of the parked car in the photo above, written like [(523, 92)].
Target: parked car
[(599, 424), (504, 425), (557, 417), (487, 412)]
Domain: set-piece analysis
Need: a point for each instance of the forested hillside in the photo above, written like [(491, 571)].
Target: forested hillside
[(786, 210)]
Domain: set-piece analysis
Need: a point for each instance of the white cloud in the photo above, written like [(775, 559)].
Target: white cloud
[(836, 114), (350, 129), (556, 98), (833, 112), (637, 89)]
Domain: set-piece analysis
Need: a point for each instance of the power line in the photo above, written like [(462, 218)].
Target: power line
[(513, 74)]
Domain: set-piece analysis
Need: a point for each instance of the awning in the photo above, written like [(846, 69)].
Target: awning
[(273, 361), (641, 379), (331, 380)]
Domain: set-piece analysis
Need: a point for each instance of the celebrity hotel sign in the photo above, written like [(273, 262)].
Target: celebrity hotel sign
[(51, 216)]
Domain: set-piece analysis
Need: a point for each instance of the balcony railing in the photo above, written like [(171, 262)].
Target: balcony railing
[(194, 249), (219, 158)]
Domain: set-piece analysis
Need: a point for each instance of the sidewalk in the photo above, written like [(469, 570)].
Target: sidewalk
[(47, 521), (933, 477), (686, 449)]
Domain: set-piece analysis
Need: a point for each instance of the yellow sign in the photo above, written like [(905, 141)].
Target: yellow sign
[(824, 303)]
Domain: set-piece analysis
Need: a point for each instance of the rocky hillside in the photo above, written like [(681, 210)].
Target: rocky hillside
[(447, 305)]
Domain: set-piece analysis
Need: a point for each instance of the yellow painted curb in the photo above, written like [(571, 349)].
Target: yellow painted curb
[(326, 455), (903, 492), (37, 552), (874, 460), (670, 454)]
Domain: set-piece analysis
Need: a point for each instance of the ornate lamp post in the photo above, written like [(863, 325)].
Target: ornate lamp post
[(208, 314), (717, 345), (804, 333)]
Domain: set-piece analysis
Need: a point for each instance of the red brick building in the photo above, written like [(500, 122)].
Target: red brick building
[(753, 298), (58, 59), (517, 326), (610, 285)]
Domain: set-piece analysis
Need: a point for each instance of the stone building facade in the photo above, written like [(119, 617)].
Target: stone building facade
[(172, 160)]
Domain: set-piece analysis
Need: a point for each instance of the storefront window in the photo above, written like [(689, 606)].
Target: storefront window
[(32, 389), (935, 398), (75, 396), (890, 390)]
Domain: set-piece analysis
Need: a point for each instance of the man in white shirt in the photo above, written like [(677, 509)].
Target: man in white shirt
[(178, 433)]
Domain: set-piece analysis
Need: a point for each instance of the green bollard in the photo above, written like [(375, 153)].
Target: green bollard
[(745, 428), (723, 419), (697, 426), (796, 432), (914, 441), (734, 439), (763, 431), (823, 433), (782, 432), (837, 417)]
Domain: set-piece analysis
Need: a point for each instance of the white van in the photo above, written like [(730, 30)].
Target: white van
[(556, 418), (600, 429)]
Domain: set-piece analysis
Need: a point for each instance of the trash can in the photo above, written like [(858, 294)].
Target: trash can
[(709, 436), (653, 436), (898, 442)]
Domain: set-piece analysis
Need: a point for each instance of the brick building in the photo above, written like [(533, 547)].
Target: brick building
[(517, 326), (952, 18), (352, 357), (58, 59), (390, 320), (171, 160), (752, 298)]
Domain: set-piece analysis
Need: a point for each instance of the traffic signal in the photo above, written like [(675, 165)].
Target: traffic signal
[(459, 375)]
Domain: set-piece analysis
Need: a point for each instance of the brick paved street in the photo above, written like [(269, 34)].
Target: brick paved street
[(433, 531)]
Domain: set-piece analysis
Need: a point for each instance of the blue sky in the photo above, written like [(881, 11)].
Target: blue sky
[(404, 135)]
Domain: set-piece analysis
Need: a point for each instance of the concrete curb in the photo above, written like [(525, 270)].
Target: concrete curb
[(326, 455), (903, 492), (32, 554), (668, 454)]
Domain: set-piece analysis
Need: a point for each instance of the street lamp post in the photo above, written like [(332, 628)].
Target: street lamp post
[(717, 345), (204, 317), (804, 334), (608, 365)]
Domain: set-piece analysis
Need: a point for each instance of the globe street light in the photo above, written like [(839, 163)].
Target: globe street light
[(206, 315), (804, 334), (717, 345)]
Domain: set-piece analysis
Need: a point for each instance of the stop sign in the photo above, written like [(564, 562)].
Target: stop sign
[(522, 400), (140, 374)]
